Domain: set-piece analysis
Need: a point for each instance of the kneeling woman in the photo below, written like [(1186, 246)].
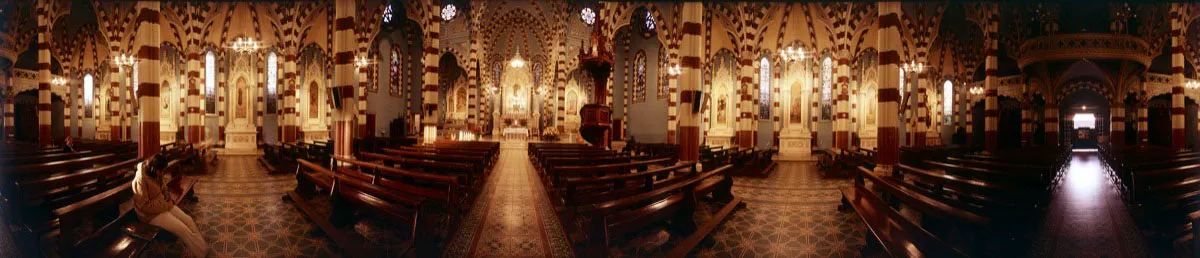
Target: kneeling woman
[(152, 203)]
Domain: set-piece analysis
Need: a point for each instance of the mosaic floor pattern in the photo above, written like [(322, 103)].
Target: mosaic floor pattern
[(512, 217), (241, 215), (792, 213)]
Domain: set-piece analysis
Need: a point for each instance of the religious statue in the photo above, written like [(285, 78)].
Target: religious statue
[(797, 116), (869, 104), (166, 97), (313, 97), (572, 102), (721, 109), (461, 100), (240, 111)]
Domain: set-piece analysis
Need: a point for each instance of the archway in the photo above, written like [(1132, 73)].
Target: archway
[(1158, 126), (25, 117), (1009, 128), (1084, 117)]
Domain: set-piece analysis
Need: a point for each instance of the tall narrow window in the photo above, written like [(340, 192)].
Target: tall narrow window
[(826, 87), (394, 88), (272, 80), (88, 84), (387, 14), (210, 82), (764, 88), (639, 86), (947, 98)]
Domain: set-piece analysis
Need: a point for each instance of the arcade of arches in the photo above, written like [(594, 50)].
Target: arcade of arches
[(590, 128)]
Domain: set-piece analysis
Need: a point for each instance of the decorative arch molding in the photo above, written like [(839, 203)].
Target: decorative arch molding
[(1075, 85)]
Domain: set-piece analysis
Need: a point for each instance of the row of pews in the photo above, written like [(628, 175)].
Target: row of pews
[(602, 196), (943, 202), (62, 203), (746, 161), (422, 191), (1162, 188)]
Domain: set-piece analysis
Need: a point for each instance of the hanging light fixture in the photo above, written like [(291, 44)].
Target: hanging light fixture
[(517, 61), (246, 45), (124, 60)]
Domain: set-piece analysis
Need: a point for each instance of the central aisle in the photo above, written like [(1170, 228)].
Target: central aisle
[(1087, 217), (512, 216)]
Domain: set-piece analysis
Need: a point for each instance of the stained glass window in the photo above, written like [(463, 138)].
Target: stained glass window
[(639, 87), (448, 12), (588, 16), (210, 82), (764, 88), (947, 99), (650, 25), (902, 83), (395, 81), (387, 14), (826, 87), (272, 83), (88, 89)]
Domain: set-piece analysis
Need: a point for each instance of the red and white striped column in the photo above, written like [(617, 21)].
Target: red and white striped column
[(889, 82), (1027, 123), (991, 84), (146, 42), (745, 93), (344, 78), (1118, 123), (44, 76), (1143, 122), (1051, 123), (690, 80), (193, 113), (1177, 43), (290, 116), (429, 92), (841, 103), (921, 127), (8, 109)]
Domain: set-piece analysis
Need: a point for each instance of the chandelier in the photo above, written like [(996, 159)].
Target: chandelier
[(361, 61), (246, 45), (674, 70), (124, 60), (58, 81), (792, 54), (1192, 85), (517, 61), (914, 67), (976, 90)]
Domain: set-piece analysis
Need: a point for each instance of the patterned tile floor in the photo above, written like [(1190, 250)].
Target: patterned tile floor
[(241, 214), (792, 213)]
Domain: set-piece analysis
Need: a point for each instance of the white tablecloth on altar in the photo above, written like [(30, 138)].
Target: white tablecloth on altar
[(516, 133)]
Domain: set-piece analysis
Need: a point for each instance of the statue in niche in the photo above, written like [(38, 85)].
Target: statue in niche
[(721, 117), (461, 100), (313, 97), (797, 115), (166, 97), (572, 102), (240, 111)]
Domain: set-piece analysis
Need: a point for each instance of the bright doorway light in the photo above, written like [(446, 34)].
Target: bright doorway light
[(1084, 120)]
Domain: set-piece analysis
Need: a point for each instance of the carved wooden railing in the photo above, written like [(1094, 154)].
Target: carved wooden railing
[(1084, 45)]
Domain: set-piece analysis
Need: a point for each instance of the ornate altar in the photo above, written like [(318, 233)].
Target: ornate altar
[(240, 130), (516, 112)]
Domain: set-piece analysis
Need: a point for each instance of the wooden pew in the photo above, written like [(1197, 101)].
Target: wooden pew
[(900, 237), (675, 202), (467, 174), (558, 175)]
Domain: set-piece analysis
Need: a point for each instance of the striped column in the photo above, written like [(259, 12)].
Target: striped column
[(114, 99), (473, 68), (560, 86), (1143, 123), (147, 41), (194, 113), (673, 96), (841, 104), (1177, 43), (44, 76), (1027, 124), (344, 78), (290, 115), (991, 84), (889, 80), (8, 111), (921, 127), (1118, 124), (970, 123), (1051, 124), (690, 80), (429, 92), (745, 88)]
